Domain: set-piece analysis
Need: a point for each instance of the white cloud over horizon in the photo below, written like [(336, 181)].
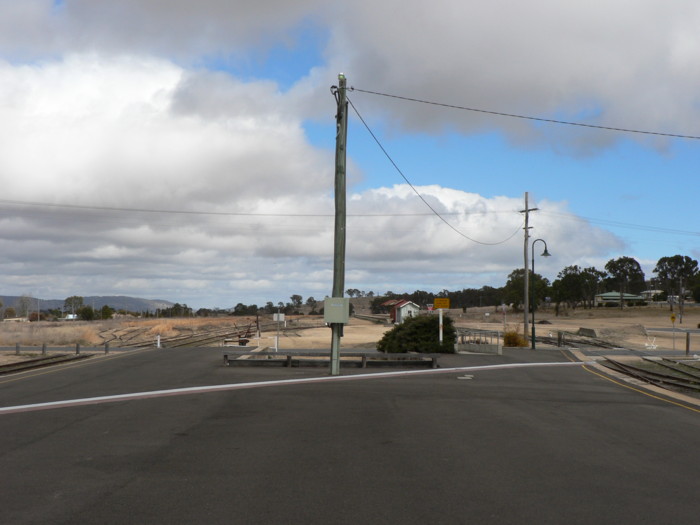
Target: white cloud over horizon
[(131, 167)]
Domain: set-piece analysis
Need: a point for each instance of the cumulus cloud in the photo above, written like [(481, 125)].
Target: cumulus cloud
[(626, 64), (125, 169), (185, 30)]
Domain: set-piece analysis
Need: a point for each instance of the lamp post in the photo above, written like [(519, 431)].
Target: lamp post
[(544, 254)]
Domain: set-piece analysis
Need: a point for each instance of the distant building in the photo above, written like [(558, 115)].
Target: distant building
[(614, 298), (649, 295), (401, 310)]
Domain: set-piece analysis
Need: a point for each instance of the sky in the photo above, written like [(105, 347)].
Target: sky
[(185, 151)]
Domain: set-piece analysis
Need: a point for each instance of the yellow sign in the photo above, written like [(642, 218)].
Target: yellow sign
[(673, 318), (441, 302)]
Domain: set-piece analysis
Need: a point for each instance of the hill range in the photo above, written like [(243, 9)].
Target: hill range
[(118, 302)]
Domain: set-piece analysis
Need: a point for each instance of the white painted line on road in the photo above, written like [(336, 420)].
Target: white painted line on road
[(261, 384)]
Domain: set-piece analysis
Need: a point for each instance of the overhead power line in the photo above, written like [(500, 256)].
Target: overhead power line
[(618, 224), (526, 117), (437, 214), (205, 213)]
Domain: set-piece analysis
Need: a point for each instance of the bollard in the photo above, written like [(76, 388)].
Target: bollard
[(560, 339), (687, 343), (106, 348), (16, 348), (77, 348), (43, 349)]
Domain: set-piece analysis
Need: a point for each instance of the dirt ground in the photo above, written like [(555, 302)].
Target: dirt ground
[(632, 327)]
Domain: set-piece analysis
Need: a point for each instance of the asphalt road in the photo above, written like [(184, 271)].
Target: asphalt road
[(526, 445)]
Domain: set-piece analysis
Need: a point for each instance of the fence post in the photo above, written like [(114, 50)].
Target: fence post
[(106, 348), (16, 348), (77, 348), (687, 343)]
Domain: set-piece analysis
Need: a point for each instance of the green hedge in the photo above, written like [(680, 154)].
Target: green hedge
[(420, 334)]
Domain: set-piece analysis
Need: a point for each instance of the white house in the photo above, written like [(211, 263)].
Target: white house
[(403, 310)]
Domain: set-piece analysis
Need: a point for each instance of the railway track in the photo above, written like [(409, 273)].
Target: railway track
[(668, 374), (217, 336), (40, 362)]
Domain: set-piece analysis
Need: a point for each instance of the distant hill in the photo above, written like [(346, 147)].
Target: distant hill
[(118, 302)]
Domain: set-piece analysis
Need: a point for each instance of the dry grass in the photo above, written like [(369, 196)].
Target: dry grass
[(95, 333), (626, 326), (54, 334)]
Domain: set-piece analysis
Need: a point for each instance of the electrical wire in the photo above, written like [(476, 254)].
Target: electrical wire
[(554, 121), (619, 224), (210, 213), (526, 117), (396, 167)]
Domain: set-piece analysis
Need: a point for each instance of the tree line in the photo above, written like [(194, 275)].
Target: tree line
[(676, 278)]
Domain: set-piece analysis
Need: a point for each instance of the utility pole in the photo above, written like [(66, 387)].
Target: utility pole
[(681, 301), (526, 265), (340, 94)]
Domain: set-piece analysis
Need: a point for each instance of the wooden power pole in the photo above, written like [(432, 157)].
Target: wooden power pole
[(340, 215), (526, 276)]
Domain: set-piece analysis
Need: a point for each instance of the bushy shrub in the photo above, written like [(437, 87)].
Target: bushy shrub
[(513, 338), (420, 334)]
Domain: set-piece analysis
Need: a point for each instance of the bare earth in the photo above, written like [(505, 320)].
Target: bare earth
[(632, 327)]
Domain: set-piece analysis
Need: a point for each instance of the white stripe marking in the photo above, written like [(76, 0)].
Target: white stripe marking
[(261, 384)]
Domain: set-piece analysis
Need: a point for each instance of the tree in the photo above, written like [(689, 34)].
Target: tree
[(568, 287), (242, 309), (72, 303), (420, 334), (86, 313), (575, 285), (514, 290), (628, 274), (296, 300), (677, 274), (106, 312), (312, 303), (672, 272), (421, 297), (591, 280), (23, 305)]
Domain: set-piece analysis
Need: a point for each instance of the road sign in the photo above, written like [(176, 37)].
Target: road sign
[(441, 302), (673, 318)]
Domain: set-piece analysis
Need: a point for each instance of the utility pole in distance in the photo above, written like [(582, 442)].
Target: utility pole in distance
[(340, 94)]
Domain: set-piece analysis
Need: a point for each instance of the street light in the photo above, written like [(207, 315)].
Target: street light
[(544, 254)]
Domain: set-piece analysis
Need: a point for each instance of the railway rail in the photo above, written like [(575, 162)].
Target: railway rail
[(662, 374), (30, 364), (213, 336)]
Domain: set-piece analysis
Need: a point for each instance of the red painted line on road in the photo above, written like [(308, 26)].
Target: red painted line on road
[(261, 384)]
